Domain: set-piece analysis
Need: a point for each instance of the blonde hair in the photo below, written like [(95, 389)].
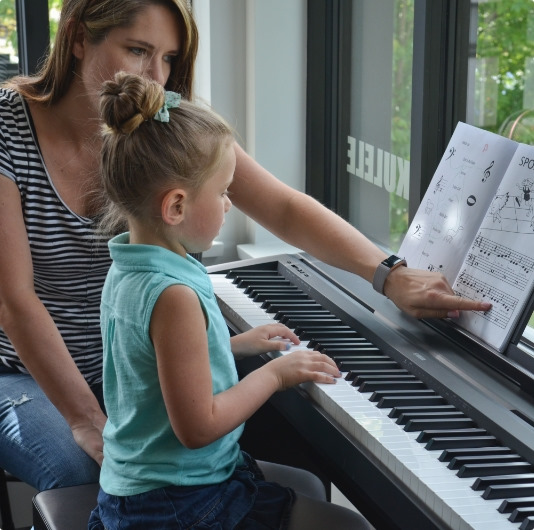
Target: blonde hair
[(142, 157), (99, 17)]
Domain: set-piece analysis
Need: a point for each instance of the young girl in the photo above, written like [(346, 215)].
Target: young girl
[(175, 406)]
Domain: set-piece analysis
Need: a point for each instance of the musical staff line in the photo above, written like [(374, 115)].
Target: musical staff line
[(501, 262), (503, 304)]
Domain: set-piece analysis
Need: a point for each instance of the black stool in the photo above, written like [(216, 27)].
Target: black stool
[(64, 508), (5, 505)]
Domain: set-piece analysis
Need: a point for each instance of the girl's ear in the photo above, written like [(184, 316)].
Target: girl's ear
[(78, 47), (172, 206)]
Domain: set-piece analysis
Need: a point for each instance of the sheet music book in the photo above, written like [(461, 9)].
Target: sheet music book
[(476, 226)]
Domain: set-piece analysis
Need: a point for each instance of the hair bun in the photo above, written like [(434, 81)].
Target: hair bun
[(129, 100)]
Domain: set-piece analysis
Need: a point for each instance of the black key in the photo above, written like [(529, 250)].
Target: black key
[(406, 376), (336, 342), (232, 273), (499, 480), (520, 514), (388, 402), (296, 306), (509, 505), (343, 333), (397, 411), (292, 322), (272, 307), (352, 375), (260, 282), (458, 461), (425, 436), (422, 424), (335, 351), (379, 394), (405, 417), (503, 491), (372, 386), (501, 468), (369, 364), (449, 454), (452, 442), (288, 313), (319, 329), (271, 297), (527, 524)]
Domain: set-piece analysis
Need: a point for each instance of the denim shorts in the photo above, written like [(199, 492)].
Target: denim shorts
[(244, 502)]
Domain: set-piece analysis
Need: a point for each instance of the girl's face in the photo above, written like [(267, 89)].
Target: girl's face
[(148, 47), (204, 213)]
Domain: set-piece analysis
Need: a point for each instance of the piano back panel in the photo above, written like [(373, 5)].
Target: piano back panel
[(444, 366)]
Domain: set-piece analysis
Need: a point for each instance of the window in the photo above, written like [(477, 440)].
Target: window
[(388, 82)]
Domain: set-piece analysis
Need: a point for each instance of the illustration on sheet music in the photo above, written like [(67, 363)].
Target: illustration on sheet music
[(476, 226)]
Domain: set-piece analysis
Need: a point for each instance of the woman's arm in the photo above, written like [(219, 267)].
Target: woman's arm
[(303, 222), (34, 335)]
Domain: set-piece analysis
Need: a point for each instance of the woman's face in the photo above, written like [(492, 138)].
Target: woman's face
[(148, 47)]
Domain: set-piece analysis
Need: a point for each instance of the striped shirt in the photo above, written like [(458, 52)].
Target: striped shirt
[(70, 260)]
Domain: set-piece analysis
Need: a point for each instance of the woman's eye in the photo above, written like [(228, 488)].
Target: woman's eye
[(138, 51), (170, 58)]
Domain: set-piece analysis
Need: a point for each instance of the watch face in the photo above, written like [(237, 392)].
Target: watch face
[(389, 262)]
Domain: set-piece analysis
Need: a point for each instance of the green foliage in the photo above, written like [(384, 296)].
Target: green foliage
[(401, 110), (8, 25), (506, 32)]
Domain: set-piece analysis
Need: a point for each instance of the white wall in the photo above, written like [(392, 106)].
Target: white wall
[(252, 68)]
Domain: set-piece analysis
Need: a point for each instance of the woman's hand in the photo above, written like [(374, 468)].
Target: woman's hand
[(425, 294), (89, 437), (260, 340)]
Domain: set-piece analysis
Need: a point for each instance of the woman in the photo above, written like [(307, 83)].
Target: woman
[(53, 263)]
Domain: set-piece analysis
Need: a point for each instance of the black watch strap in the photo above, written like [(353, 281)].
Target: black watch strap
[(383, 270)]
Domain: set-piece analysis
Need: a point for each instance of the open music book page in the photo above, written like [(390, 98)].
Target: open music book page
[(476, 225)]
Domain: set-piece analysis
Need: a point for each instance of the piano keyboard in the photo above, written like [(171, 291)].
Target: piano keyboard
[(461, 472)]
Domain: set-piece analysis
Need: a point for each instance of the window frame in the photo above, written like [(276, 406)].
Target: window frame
[(33, 33), (439, 101)]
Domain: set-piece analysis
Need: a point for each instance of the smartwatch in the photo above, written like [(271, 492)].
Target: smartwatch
[(383, 270)]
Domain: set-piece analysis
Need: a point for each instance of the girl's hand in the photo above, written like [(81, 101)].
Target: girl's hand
[(301, 366), (259, 340)]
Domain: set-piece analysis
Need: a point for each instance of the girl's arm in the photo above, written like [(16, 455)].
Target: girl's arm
[(198, 418), (34, 335), (303, 222)]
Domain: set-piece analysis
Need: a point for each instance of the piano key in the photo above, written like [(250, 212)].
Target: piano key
[(263, 296), (520, 514), (458, 461), (396, 412), (342, 351), (494, 468), (444, 442), (371, 386), (484, 482), (449, 454), (405, 417), (372, 363), (504, 491), (281, 316), (527, 524), (425, 436), (509, 505), (261, 282), (423, 424), (296, 306), (353, 375)]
